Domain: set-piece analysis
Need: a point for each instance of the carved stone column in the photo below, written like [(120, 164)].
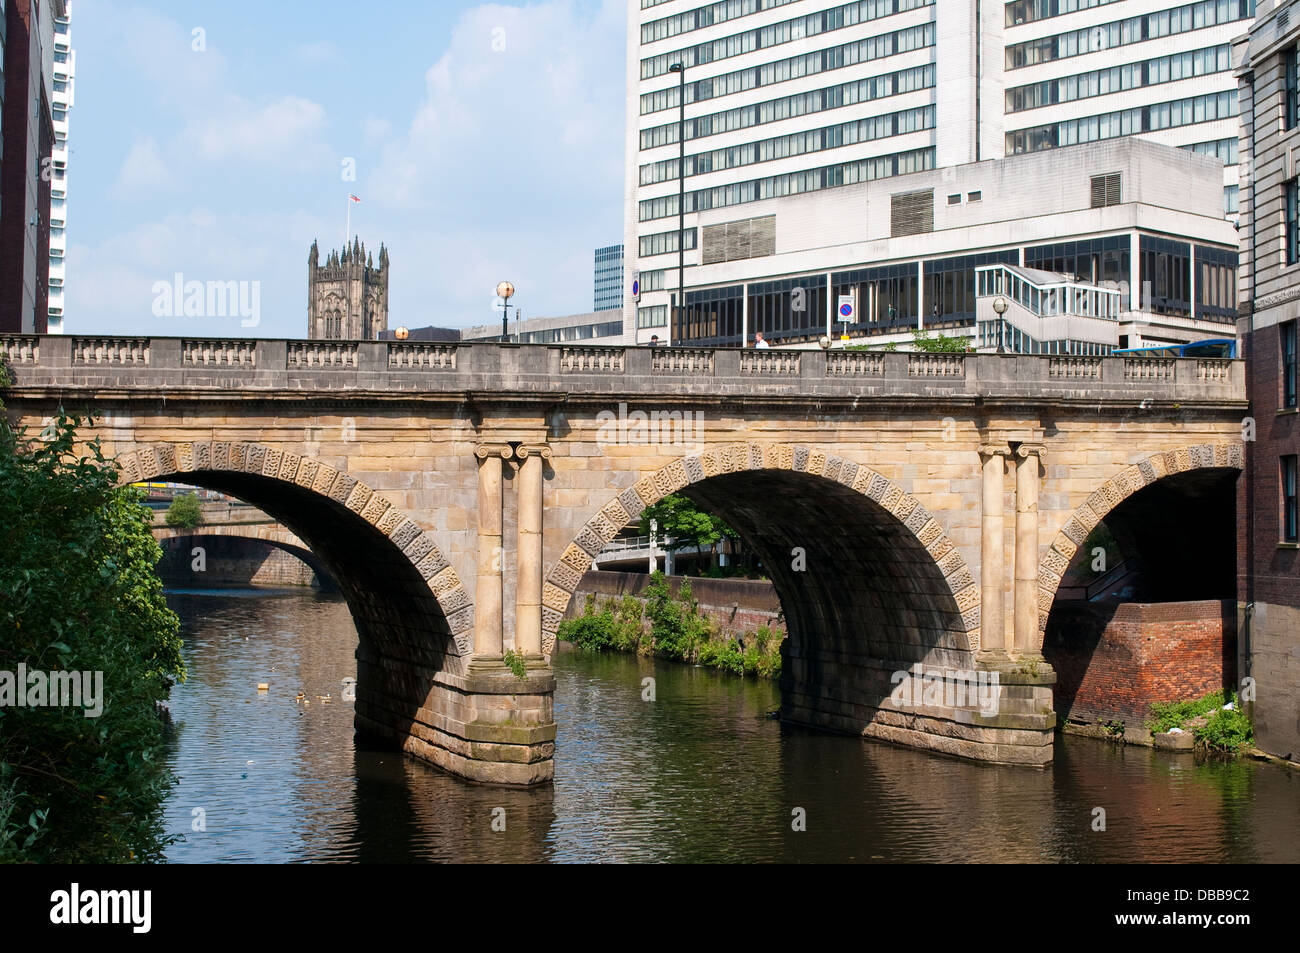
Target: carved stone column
[(489, 589), (1028, 458), (992, 549), (528, 585)]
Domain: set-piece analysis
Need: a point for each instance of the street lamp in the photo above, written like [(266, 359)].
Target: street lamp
[(1000, 306), (504, 291), (680, 70)]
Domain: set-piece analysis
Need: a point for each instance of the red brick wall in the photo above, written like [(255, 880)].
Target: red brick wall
[(1113, 661)]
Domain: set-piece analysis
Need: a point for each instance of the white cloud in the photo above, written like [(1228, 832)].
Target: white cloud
[(143, 169)]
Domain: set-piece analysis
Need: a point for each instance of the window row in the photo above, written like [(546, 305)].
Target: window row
[(1225, 150), (663, 242), (1161, 69), (795, 144), (794, 67), (1125, 122), (701, 17), (792, 183), (1291, 80), (788, 107), (775, 34), (1031, 11), (652, 316), (1150, 26), (653, 280)]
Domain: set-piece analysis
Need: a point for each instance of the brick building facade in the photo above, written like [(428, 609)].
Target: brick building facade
[(1268, 543)]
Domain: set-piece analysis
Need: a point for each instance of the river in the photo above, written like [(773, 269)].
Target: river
[(702, 773)]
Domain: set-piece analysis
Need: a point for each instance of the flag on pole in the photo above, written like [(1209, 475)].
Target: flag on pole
[(353, 197)]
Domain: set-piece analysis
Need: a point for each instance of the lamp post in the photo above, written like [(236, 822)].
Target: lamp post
[(1000, 306), (504, 291), (680, 70)]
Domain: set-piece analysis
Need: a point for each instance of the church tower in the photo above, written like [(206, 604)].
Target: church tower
[(347, 296)]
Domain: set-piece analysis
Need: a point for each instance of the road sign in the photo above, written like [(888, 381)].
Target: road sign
[(636, 286), (848, 311)]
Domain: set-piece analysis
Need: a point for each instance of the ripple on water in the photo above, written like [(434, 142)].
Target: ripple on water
[(699, 774)]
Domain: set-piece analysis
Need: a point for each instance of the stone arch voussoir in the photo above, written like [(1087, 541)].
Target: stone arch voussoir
[(563, 579), (153, 460), (1052, 567)]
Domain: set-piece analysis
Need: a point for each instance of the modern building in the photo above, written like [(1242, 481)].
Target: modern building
[(27, 127), (62, 99), (1134, 228), (608, 278), (594, 327), (1268, 542), (811, 97), (347, 296)]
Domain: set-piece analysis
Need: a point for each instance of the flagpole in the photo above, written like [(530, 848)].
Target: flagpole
[(347, 230)]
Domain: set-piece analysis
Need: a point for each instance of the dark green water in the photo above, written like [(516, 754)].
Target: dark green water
[(699, 774)]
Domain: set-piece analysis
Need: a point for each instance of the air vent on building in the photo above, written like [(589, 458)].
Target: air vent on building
[(911, 213), (1105, 190), (1283, 20), (747, 238)]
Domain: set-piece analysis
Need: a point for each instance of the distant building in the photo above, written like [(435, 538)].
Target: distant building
[(27, 133), (64, 76), (608, 277), (1268, 543), (347, 296), (594, 327)]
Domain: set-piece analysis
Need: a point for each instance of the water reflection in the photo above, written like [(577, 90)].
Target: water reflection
[(701, 773)]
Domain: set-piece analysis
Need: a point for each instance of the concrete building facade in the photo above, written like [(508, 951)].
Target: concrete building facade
[(794, 104), (1268, 543), (607, 278), (64, 74)]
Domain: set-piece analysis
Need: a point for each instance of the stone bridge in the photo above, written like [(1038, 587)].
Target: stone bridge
[(252, 525), (917, 512)]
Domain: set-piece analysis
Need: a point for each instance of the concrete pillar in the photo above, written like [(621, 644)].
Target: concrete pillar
[(488, 590), (1028, 457), (992, 563), (528, 587)]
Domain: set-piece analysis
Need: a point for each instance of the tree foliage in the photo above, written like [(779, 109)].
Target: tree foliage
[(79, 593), (939, 344), (685, 524), (185, 511)]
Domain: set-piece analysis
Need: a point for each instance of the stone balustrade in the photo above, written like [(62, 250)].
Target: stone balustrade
[(170, 365)]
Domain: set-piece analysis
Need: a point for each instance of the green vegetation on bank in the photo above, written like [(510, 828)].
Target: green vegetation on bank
[(79, 593), (185, 511), (676, 630), (1212, 725)]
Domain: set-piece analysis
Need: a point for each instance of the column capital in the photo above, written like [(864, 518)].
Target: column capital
[(1026, 449), (524, 450), (994, 450), (502, 450)]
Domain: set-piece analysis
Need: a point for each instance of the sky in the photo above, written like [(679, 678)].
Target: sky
[(215, 139)]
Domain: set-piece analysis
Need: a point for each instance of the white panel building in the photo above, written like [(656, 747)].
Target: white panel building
[(790, 102), (61, 102)]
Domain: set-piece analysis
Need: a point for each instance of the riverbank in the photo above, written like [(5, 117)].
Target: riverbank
[(665, 619)]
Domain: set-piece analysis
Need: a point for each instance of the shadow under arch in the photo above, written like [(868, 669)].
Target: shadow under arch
[(882, 580), (284, 542), (413, 617), (1184, 468)]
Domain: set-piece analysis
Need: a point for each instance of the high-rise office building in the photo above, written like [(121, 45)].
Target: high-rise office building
[(64, 72), (793, 97), (608, 278), (27, 140)]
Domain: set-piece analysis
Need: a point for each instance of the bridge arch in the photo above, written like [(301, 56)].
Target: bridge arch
[(765, 492), (411, 611), (272, 536), (1170, 467)]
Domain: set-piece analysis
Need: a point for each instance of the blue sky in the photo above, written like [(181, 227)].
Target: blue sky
[(487, 139)]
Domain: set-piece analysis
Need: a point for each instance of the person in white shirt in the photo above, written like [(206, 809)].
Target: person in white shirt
[(758, 340)]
